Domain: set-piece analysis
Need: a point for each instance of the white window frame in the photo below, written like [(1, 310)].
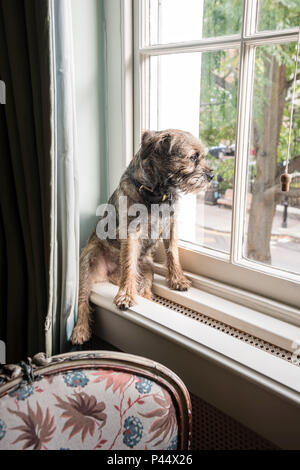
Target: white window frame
[(208, 360), (278, 291)]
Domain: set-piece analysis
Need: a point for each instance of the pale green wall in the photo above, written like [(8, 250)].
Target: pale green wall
[(88, 33)]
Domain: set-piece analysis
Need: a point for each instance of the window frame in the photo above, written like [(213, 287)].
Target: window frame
[(251, 277)]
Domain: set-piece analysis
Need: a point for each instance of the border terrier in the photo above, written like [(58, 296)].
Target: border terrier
[(167, 163)]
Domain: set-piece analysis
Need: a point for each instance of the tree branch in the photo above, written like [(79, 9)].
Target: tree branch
[(217, 103), (222, 83), (294, 165), (290, 82), (295, 98)]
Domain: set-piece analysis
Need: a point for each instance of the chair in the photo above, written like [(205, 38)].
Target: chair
[(93, 400)]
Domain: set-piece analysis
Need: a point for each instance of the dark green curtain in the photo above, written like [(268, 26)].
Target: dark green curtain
[(25, 174)]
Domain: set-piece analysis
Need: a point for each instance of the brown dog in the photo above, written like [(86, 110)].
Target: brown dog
[(168, 162)]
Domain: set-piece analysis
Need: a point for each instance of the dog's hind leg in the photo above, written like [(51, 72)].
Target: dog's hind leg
[(114, 278), (92, 269)]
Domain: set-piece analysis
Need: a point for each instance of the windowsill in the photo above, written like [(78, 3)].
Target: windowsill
[(211, 300), (281, 376), (202, 355)]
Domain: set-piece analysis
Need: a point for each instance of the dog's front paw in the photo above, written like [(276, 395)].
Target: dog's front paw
[(124, 300), (179, 283), (80, 334)]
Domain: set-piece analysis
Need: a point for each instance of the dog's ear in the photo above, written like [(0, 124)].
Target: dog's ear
[(148, 138), (159, 142), (148, 143), (165, 144)]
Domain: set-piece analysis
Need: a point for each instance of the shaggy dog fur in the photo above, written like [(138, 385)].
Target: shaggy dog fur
[(167, 163)]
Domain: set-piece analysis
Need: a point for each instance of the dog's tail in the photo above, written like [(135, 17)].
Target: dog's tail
[(88, 258)]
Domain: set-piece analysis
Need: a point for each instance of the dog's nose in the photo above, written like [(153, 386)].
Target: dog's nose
[(210, 175)]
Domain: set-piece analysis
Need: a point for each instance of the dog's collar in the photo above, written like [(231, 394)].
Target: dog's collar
[(150, 195)]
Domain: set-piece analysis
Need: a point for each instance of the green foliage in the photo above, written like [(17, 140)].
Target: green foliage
[(219, 79), (222, 17), (218, 105), (218, 111), (266, 58), (278, 14), (225, 171)]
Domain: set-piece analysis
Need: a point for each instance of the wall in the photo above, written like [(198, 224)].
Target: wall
[(89, 48)]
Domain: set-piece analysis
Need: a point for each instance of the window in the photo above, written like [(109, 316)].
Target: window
[(223, 71)]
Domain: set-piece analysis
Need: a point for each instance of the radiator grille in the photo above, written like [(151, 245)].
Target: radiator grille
[(214, 430), (228, 330)]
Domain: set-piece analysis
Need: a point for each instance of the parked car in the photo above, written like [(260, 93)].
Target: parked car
[(222, 151)]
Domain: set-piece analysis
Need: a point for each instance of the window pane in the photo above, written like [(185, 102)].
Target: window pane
[(198, 93), (272, 229), (178, 20), (278, 14)]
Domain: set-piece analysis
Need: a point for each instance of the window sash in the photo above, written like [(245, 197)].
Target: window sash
[(232, 269)]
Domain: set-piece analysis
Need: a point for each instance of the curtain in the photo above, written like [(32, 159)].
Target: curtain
[(26, 158), (39, 216), (66, 210)]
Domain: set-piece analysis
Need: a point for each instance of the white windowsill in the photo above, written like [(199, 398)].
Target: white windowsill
[(230, 312), (280, 375), (258, 389)]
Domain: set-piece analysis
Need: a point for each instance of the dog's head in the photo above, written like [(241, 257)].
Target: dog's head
[(177, 157)]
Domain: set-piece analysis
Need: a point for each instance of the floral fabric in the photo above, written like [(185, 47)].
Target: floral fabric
[(89, 409)]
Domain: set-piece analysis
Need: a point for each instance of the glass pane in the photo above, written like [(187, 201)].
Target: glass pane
[(278, 14), (272, 228), (178, 20), (198, 93)]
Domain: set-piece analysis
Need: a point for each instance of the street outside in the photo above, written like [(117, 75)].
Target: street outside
[(285, 242)]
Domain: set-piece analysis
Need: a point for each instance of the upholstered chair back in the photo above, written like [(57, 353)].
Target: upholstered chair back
[(93, 400)]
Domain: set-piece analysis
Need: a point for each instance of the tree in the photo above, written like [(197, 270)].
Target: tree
[(265, 138), (274, 66)]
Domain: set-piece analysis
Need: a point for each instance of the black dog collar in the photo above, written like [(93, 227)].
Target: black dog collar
[(149, 195)]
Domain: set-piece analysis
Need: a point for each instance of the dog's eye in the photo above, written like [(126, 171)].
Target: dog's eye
[(195, 157)]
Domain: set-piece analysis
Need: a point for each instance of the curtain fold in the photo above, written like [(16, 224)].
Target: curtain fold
[(66, 253)]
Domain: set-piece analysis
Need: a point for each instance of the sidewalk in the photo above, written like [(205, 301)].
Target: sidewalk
[(214, 230), (219, 219)]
